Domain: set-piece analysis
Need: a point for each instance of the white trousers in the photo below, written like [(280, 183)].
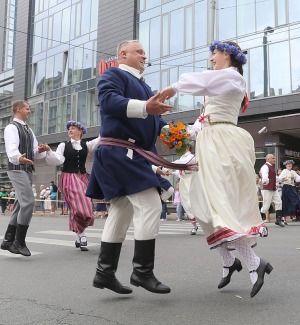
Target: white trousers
[(268, 198), (143, 208)]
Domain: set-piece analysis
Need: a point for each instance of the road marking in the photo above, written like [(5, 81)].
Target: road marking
[(9, 254)]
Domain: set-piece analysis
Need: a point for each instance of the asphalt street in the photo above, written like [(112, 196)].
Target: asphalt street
[(54, 285)]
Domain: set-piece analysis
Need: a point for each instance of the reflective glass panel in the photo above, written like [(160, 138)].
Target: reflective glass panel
[(265, 14), (78, 57), (200, 23), (165, 35), (281, 12), (61, 114), (245, 17), (86, 17), (256, 62), (144, 36), (58, 65), (188, 27), (52, 123), (38, 32), (294, 11), (154, 38), (49, 73), (87, 61), (65, 36), (81, 108), (94, 16), (176, 32), (57, 28), (92, 109), (226, 23), (295, 64), (40, 81), (280, 77)]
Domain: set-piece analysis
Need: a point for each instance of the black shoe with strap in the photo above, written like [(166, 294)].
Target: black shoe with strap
[(264, 267), (236, 266)]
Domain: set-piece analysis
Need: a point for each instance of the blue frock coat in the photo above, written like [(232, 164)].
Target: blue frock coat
[(114, 173)]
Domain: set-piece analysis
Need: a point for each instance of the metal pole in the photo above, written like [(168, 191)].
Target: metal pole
[(266, 82), (211, 29)]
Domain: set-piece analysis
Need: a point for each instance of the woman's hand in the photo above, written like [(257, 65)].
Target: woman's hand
[(167, 93)]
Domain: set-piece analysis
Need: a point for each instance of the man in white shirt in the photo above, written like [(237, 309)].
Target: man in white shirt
[(270, 192), (21, 148)]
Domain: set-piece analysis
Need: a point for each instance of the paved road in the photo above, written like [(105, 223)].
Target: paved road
[(54, 285)]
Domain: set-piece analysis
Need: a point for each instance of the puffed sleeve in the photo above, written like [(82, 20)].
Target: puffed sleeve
[(56, 158), (93, 144), (210, 83)]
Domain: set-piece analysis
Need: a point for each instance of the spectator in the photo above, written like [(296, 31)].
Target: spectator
[(43, 196), (34, 194), (53, 196)]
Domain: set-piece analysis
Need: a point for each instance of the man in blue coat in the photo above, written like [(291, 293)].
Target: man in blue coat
[(129, 111)]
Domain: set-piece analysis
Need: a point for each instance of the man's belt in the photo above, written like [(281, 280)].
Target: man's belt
[(155, 159)]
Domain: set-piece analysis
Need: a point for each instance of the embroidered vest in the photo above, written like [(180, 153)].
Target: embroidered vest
[(25, 146), (75, 159), (272, 179)]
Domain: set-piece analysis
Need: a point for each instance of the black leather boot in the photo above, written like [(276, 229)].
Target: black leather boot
[(107, 267), (236, 266), (9, 237), (278, 221), (263, 216), (19, 245), (143, 265)]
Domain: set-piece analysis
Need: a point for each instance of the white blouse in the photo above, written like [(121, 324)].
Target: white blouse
[(211, 83), (288, 177), (56, 158)]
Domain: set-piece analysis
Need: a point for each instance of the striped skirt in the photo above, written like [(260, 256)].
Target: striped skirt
[(73, 187)]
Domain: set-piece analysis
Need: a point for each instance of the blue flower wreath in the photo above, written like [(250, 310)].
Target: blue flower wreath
[(230, 49), (77, 124)]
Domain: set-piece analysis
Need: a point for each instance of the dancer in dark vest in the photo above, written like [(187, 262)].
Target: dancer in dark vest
[(21, 148), (269, 191), (74, 179)]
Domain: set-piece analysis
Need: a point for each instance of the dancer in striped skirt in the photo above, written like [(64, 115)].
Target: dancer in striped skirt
[(74, 179)]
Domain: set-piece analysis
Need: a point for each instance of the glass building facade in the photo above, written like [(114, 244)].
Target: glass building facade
[(62, 70), (176, 34), (66, 40)]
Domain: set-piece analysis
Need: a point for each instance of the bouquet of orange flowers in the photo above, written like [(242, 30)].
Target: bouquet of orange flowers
[(175, 135)]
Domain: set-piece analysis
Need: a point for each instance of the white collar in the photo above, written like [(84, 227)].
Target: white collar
[(77, 141), (19, 121), (135, 72)]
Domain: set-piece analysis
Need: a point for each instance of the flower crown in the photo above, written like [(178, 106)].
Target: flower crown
[(230, 49), (77, 124), (289, 162)]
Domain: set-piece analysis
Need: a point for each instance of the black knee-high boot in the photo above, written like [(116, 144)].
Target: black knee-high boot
[(19, 245), (278, 221), (143, 265), (9, 237), (107, 267)]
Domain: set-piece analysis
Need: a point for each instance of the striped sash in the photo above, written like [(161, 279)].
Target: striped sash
[(155, 159)]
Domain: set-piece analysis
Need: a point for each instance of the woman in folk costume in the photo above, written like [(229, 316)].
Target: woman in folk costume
[(290, 198), (223, 192), (74, 179)]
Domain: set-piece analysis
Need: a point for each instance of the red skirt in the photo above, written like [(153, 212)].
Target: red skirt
[(73, 187)]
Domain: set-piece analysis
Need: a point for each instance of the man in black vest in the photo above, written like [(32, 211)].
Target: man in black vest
[(21, 148), (269, 192)]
